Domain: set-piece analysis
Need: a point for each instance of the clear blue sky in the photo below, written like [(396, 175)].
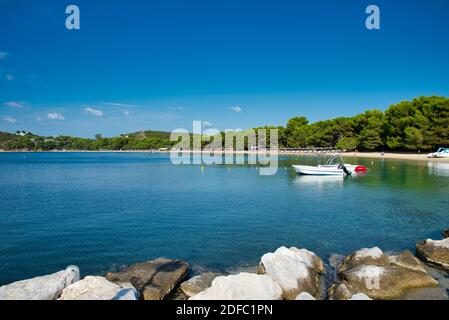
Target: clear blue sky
[(160, 64)]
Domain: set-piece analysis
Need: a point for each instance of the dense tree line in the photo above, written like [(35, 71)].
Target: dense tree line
[(420, 124), (134, 141)]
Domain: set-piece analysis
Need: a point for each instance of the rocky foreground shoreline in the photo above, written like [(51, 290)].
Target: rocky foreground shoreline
[(285, 274)]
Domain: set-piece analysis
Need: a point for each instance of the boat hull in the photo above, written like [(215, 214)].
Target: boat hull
[(332, 170), (318, 171)]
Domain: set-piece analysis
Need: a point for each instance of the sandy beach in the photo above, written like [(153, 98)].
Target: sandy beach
[(398, 156), (372, 155)]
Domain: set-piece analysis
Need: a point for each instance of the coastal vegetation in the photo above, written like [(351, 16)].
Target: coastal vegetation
[(420, 124), (134, 141)]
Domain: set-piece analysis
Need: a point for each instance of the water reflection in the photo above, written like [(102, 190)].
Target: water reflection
[(319, 180), (438, 168)]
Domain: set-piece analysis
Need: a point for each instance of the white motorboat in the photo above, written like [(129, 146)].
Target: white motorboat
[(441, 153), (333, 167)]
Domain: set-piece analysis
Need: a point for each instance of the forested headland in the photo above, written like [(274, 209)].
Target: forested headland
[(420, 124)]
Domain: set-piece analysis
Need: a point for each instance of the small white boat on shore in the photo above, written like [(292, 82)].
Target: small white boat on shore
[(441, 153), (333, 167)]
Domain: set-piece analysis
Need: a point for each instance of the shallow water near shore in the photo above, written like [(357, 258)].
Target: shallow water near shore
[(101, 211)]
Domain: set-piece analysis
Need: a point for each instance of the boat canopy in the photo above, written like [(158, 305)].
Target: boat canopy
[(336, 159)]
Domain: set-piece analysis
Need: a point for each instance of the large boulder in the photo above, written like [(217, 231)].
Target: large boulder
[(385, 282), (153, 279), (371, 272), (243, 286), (198, 283), (434, 252), (98, 288), (47, 287), (295, 270)]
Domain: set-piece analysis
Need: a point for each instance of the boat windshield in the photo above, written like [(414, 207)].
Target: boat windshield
[(337, 159)]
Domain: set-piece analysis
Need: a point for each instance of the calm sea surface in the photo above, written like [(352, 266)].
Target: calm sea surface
[(104, 210)]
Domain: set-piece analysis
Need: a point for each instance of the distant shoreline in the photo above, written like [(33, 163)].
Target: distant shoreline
[(372, 155), (395, 155)]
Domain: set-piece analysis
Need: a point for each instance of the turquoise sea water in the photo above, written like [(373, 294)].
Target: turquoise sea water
[(104, 210)]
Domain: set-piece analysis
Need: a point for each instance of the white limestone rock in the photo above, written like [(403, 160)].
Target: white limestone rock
[(48, 287), (295, 270), (360, 296), (243, 286), (305, 296), (373, 253), (98, 288)]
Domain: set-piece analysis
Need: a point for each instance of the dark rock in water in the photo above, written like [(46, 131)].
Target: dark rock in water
[(434, 252), (444, 283), (436, 273), (199, 283), (153, 279), (330, 275), (340, 291), (335, 261), (446, 234), (177, 294)]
